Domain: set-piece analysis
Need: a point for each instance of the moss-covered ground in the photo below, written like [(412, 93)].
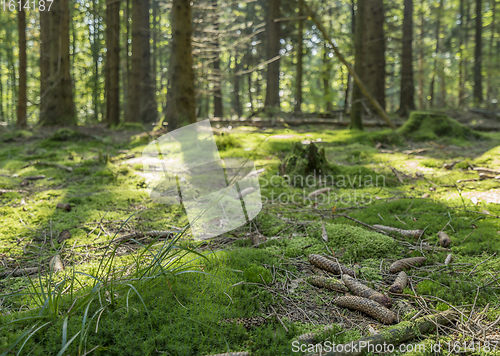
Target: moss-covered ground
[(170, 295)]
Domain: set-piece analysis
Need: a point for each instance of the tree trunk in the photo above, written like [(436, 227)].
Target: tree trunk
[(181, 102), (407, 99), (44, 59), (149, 108), (461, 63), (300, 61), (154, 58), (218, 108), (436, 56), (22, 91), (113, 62), (478, 55), (58, 104), (237, 101), (421, 58), (348, 89), (374, 47), (272, 103), (126, 72), (357, 96), (326, 78), (2, 113), (491, 63)]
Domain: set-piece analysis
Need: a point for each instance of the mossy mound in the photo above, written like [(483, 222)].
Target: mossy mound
[(66, 134), (423, 126), (306, 160)]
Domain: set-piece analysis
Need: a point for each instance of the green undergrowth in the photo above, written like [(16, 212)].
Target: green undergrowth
[(180, 314)]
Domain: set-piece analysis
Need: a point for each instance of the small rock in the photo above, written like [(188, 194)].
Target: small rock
[(56, 264), (426, 195), (444, 239), (64, 206), (64, 235), (432, 189)]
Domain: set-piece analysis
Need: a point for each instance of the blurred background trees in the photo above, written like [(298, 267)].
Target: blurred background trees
[(114, 61)]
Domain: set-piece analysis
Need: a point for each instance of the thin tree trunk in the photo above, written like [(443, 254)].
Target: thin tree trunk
[(348, 90), (59, 107), (2, 113), (272, 103), (461, 63), (127, 49), (421, 58), (44, 58), (22, 91), (374, 47), (357, 96), (478, 55), (94, 32), (154, 58), (181, 101), (436, 57), (218, 108), (113, 62), (149, 107), (237, 101), (300, 61), (491, 64), (407, 94), (326, 79)]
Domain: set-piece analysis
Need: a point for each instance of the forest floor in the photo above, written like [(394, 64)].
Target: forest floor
[(135, 282)]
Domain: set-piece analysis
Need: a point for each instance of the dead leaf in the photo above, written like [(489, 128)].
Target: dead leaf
[(56, 264), (324, 235)]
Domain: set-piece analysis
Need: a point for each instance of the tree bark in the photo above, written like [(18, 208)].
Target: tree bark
[(272, 103), (300, 61), (113, 62), (326, 78), (461, 63), (357, 96), (237, 101), (218, 108), (141, 95), (436, 56), (44, 59), (407, 98), (478, 55), (181, 102), (2, 114), (22, 91), (57, 101), (374, 47), (421, 58), (491, 63)]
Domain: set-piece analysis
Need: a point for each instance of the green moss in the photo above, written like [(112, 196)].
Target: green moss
[(356, 243), (258, 274), (422, 126), (226, 141)]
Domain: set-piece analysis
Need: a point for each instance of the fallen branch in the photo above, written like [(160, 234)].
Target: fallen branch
[(19, 272), (2, 191), (56, 165), (406, 233), (141, 235), (404, 331)]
